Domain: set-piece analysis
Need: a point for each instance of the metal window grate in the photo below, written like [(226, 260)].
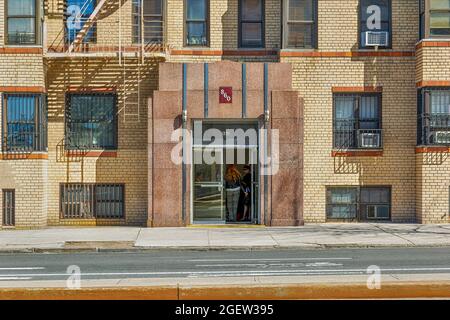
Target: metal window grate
[(92, 201), (9, 208), (24, 123), (91, 121)]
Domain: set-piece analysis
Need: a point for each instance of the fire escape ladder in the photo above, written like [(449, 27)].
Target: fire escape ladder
[(132, 64), (87, 25)]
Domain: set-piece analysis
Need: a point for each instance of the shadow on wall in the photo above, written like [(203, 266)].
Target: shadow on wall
[(230, 26)]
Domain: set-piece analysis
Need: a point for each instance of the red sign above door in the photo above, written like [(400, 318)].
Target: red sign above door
[(225, 95)]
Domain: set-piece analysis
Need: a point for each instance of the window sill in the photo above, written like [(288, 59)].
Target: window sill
[(33, 155), (433, 148), (433, 42), (357, 153), (91, 153), (32, 49)]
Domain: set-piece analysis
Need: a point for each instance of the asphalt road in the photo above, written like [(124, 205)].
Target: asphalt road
[(200, 264)]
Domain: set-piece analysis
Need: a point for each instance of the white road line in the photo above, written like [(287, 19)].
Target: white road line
[(269, 259), (263, 272), (23, 268), (256, 274), (293, 264), (15, 278)]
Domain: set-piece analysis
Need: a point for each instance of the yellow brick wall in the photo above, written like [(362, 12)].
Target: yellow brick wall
[(27, 177), (29, 180), (314, 78), (433, 64), (338, 25), (433, 170), (130, 165), (433, 167)]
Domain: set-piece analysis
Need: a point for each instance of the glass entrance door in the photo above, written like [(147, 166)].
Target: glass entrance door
[(208, 193)]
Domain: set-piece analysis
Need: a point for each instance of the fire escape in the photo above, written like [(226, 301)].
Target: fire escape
[(80, 42), (77, 42)]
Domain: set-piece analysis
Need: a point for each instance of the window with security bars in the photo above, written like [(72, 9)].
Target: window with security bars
[(359, 203), (24, 123), (91, 121), (148, 18), (300, 24), (92, 201), (357, 121), (434, 116), (9, 208)]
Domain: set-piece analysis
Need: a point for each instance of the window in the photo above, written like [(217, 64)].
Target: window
[(251, 23), (439, 18), (357, 121), (24, 123), (362, 203), (9, 208), (435, 18), (83, 10), (90, 201), (375, 22), (21, 22), (300, 24), (196, 16), (342, 203), (91, 121), (434, 116), (375, 203), (153, 18)]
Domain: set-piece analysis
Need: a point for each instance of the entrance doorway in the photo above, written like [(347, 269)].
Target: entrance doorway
[(225, 177)]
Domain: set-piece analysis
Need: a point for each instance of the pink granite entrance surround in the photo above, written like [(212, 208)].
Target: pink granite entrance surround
[(285, 189)]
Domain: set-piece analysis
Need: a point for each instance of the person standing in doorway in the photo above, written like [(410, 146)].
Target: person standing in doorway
[(246, 187), (232, 189)]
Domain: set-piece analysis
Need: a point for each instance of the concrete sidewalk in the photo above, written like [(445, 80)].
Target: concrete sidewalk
[(215, 238)]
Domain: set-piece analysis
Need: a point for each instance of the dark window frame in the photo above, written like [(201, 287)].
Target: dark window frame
[(8, 212), (36, 24), (360, 216), (426, 122), (242, 21), (92, 199), (361, 204), (424, 18), (360, 44), (38, 136), (285, 29), (137, 28), (356, 118), (67, 130), (206, 22)]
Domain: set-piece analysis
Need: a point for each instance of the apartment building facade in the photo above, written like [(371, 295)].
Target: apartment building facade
[(358, 92)]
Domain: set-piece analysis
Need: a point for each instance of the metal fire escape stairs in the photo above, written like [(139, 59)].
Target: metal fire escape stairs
[(87, 25), (131, 62)]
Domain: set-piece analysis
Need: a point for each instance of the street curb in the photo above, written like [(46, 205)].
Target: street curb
[(211, 248), (237, 292)]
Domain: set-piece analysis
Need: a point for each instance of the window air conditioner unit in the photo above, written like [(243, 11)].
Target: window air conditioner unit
[(377, 39), (442, 137), (377, 212), (370, 140)]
